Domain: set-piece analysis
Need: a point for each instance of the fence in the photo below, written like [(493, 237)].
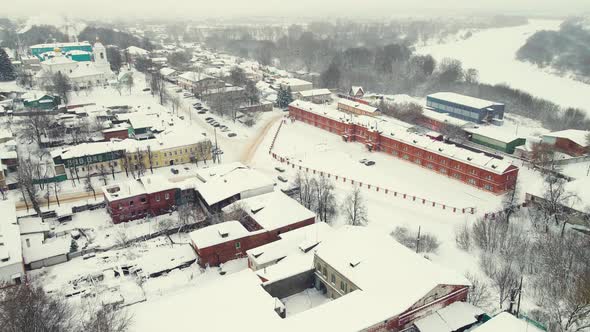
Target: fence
[(386, 191)]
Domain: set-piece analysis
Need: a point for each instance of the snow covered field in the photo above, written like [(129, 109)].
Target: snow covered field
[(493, 53)]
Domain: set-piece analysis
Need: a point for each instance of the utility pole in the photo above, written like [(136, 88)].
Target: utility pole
[(519, 296)]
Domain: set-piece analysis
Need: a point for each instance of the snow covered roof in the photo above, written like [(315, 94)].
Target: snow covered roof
[(58, 60), (463, 100), (505, 322), (219, 233), (49, 248), (356, 89), (134, 50), (78, 52), (222, 90), (314, 92), (167, 71), (31, 225), (395, 129), (274, 210), (11, 248), (165, 258), (144, 185), (356, 104), (86, 69), (289, 82), (60, 45), (498, 133), (162, 142), (235, 302), (579, 137), (191, 76), (218, 183), (371, 260), (450, 318), (294, 250)]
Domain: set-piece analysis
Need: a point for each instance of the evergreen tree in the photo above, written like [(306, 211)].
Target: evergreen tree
[(7, 72), (284, 97), (73, 246)]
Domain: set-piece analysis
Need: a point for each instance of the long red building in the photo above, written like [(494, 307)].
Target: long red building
[(387, 135)]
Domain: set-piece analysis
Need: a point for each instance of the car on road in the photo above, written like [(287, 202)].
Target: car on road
[(370, 163), (282, 178), (208, 118), (216, 125), (364, 160), (231, 135), (280, 169), (174, 171), (146, 89), (202, 112)]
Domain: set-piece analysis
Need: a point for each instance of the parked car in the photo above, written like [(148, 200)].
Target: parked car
[(280, 169), (146, 89), (231, 135), (178, 90), (181, 117), (216, 125), (208, 118), (202, 112), (364, 160), (187, 94), (370, 163), (174, 171), (282, 178)]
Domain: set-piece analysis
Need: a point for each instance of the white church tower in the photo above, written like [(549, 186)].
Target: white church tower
[(100, 57)]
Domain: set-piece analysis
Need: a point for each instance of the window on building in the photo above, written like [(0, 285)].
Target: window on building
[(406, 157), (131, 203), (325, 273), (157, 198), (333, 279), (471, 181), (443, 161), (238, 245), (120, 207), (166, 196), (488, 187), (473, 171), (343, 286), (456, 175), (489, 177), (443, 170), (143, 200)]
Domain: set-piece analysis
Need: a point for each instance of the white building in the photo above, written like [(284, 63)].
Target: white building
[(12, 270), (81, 74), (295, 84)]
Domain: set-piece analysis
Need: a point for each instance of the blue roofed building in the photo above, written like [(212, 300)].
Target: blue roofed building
[(466, 107), (81, 51)]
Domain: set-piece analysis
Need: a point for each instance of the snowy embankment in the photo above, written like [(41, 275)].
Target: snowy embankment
[(493, 53)]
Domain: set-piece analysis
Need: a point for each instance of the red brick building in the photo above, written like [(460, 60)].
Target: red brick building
[(117, 133), (476, 169), (259, 220), (136, 199), (572, 142)]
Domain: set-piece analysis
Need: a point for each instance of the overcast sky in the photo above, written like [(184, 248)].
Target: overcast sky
[(285, 8)]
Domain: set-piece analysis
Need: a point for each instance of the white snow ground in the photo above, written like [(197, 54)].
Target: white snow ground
[(493, 53)]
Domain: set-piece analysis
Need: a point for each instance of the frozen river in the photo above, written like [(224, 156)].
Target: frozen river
[(493, 53)]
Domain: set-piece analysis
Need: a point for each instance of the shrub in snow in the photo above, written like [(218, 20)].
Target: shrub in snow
[(427, 242), (463, 237)]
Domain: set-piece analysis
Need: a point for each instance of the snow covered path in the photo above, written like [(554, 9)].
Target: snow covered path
[(493, 53)]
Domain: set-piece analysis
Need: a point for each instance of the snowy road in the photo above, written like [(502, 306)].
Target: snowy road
[(493, 53)]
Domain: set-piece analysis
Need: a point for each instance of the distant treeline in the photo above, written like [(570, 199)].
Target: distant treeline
[(567, 50), (110, 36), (37, 34)]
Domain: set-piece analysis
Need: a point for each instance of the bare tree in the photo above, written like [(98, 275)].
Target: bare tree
[(88, 186), (510, 201), (106, 318), (355, 209), (557, 200), (188, 214), (140, 165), (479, 293), (175, 102), (30, 191), (306, 191), (150, 158), (326, 201), (28, 308), (103, 174), (463, 237), (505, 279), (34, 127), (129, 83), (56, 191)]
